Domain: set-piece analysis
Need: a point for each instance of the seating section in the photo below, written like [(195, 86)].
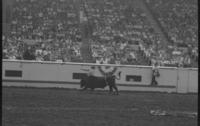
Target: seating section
[(120, 31), (178, 18)]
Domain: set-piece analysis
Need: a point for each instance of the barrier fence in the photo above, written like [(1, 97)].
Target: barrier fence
[(67, 74)]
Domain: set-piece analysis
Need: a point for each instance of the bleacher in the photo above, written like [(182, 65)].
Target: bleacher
[(121, 31)]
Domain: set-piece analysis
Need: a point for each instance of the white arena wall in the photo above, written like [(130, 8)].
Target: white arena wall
[(65, 75)]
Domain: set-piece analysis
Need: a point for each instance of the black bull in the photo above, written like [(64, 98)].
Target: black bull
[(100, 82)]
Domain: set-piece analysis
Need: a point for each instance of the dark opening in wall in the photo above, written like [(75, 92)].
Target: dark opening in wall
[(134, 78), (79, 75), (13, 73)]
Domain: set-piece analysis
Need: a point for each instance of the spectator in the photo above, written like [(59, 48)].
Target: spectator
[(155, 74), (119, 28), (28, 55)]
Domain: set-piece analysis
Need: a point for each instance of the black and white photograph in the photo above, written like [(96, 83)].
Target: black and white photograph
[(100, 62)]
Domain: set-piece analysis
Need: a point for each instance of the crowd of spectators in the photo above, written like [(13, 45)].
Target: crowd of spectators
[(179, 19), (49, 28), (121, 32)]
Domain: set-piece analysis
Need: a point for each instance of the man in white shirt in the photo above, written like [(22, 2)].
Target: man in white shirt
[(105, 60), (91, 71), (98, 60), (155, 73)]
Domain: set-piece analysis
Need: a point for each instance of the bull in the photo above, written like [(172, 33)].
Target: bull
[(100, 82)]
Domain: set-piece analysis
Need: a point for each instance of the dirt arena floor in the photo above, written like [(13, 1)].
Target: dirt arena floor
[(70, 107)]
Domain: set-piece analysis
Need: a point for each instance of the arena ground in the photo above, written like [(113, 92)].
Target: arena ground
[(69, 107)]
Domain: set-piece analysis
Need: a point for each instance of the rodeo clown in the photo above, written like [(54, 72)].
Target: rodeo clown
[(155, 73)]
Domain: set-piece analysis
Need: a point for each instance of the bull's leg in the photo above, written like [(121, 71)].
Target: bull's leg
[(116, 89), (110, 89)]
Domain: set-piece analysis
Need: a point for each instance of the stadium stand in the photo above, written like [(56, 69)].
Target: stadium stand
[(121, 32)]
